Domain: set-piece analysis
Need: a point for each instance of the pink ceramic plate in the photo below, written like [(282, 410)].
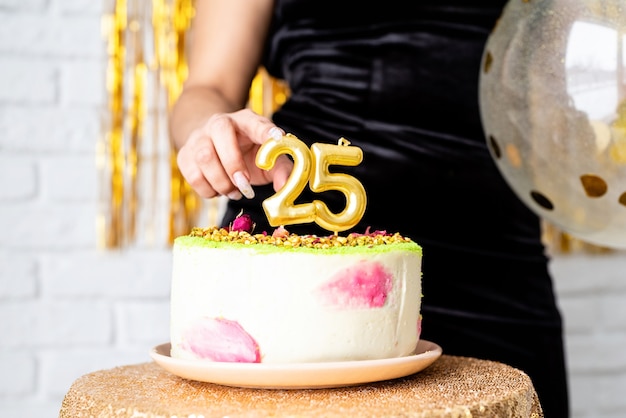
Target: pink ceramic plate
[(298, 375)]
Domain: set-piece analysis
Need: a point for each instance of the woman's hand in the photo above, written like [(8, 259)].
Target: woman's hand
[(219, 157), (216, 137)]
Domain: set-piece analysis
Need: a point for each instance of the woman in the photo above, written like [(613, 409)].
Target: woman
[(399, 80)]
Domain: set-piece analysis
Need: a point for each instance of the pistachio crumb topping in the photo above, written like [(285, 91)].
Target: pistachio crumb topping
[(291, 240)]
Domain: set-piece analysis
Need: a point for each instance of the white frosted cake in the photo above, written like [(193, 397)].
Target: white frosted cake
[(242, 297)]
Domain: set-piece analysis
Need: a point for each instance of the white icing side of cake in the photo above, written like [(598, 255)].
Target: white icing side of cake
[(294, 306)]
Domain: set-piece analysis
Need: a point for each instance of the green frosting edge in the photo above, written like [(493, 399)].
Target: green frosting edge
[(187, 241)]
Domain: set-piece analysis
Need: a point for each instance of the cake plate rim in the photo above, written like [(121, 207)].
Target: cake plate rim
[(317, 375)]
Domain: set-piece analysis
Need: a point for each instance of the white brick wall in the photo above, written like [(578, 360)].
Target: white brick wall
[(67, 308), (592, 292)]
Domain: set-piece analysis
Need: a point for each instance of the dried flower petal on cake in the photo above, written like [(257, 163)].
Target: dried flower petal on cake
[(280, 232), (243, 222)]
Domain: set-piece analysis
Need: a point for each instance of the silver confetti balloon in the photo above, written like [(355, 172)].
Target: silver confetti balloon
[(553, 105)]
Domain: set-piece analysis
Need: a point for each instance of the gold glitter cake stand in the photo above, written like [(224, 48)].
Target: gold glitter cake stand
[(451, 387)]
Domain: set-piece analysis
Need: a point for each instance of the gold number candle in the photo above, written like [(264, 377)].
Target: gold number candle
[(325, 155), (311, 166), (280, 208)]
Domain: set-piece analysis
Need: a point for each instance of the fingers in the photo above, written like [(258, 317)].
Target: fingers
[(195, 164), (219, 158), (242, 183), (281, 171), (256, 128), (227, 170)]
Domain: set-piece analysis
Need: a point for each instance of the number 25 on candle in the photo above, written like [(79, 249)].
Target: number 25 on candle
[(311, 166)]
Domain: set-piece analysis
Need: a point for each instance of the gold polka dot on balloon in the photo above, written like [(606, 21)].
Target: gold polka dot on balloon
[(594, 186), (495, 148)]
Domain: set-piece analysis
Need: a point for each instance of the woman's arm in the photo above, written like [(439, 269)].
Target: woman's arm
[(216, 137)]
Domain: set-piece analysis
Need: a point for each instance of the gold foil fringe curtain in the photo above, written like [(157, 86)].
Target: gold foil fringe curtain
[(146, 66), (143, 197)]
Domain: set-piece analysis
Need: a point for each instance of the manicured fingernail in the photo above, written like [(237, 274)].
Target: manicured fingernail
[(276, 133), (234, 195), (243, 185)]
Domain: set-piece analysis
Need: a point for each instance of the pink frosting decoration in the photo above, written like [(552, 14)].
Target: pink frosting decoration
[(419, 326), (364, 285), (220, 339)]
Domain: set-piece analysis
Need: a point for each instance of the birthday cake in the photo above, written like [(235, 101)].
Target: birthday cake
[(237, 296)]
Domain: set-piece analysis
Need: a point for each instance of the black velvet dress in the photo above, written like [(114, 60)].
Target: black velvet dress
[(399, 79)]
